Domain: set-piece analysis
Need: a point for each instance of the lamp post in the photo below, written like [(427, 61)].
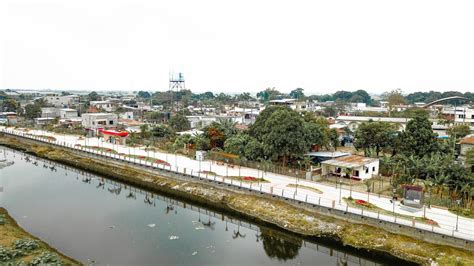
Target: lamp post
[(457, 214), (296, 191), (340, 191), (227, 167), (393, 200)]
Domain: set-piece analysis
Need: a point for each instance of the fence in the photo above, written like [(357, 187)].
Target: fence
[(455, 230), (266, 166)]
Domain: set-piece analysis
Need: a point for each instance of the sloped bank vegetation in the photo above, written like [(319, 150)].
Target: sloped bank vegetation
[(260, 209)]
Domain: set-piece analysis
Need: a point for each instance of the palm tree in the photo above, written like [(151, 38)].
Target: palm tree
[(227, 126)]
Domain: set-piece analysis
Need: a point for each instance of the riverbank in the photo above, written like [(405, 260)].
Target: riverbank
[(290, 217), (17, 245)]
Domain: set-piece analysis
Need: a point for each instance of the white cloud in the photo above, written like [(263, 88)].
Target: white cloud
[(236, 46)]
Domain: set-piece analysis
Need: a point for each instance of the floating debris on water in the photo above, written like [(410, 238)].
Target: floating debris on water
[(112, 226), (194, 253), (151, 225), (174, 237)]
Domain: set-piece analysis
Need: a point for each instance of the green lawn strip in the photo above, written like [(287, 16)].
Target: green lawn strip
[(101, 149), (249, 179), (210, 173), (146, 158), (305, 187), (464, 212), (374, 208)]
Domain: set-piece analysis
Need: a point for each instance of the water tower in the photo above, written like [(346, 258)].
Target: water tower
[(176, 84)]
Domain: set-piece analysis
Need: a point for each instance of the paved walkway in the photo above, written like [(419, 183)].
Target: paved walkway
[(278, 184)]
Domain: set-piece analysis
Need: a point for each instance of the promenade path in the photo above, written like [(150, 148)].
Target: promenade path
[(278, 184)]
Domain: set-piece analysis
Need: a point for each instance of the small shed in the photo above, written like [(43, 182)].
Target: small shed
[(413, 196), (361, 167)]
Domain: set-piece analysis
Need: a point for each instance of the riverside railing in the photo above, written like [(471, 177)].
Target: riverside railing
[(456, 227)]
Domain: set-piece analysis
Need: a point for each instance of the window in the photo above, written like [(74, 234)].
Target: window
[(462, 116), (111, 122), (356, 173), (367, 170), (373, 169)]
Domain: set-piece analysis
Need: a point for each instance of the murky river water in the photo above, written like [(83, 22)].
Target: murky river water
[(100, 221)]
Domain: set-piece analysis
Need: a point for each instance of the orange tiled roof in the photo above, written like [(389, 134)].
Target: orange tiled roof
[(468, 140)]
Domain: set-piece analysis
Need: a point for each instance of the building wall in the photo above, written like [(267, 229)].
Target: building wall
[(62, 101), (98, 120)]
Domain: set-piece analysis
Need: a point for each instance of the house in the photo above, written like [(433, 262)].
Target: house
[(107, 106), (49, 112), (67, 113), (467, 143), (93, 121), (62, 101), (321, 156), (361, 167), (43, 120), (8, 118)]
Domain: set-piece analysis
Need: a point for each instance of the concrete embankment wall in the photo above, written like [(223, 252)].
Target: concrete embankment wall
[(417, 233)]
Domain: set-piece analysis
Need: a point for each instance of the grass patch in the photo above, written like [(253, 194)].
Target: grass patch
[(305, 187), (210, 173), (146, 158), (18, 247), (362, 204), (249, 179), (97, 148), (464, 212)]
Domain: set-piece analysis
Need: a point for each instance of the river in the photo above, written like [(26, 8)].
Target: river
[(103, 222)]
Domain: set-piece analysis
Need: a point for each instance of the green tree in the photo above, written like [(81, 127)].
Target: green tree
[(236, 144), (334, 138), (93, 96), (144, 95), (179, 122), (145, 132), (459, 131), (162, 131), (394, 98), (374, 136), (268, 94), (297, 93), (9, 105), (284, 135), (418, 138), (254, 150), (360, 96)]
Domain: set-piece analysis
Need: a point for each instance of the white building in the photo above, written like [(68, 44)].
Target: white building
[(361, 167), (467, 143), (107, 106), (99, 120), (49, 112), (67, 113), (62, 101)]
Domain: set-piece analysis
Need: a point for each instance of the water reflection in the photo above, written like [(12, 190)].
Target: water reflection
[(226, 237), (278, 247)]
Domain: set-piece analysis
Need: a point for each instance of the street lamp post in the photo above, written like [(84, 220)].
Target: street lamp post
[(340, 191), (227, 167), (457, 214), (393, 200)]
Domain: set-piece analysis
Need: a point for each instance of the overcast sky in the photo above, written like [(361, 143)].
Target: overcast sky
[(237, 46)]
